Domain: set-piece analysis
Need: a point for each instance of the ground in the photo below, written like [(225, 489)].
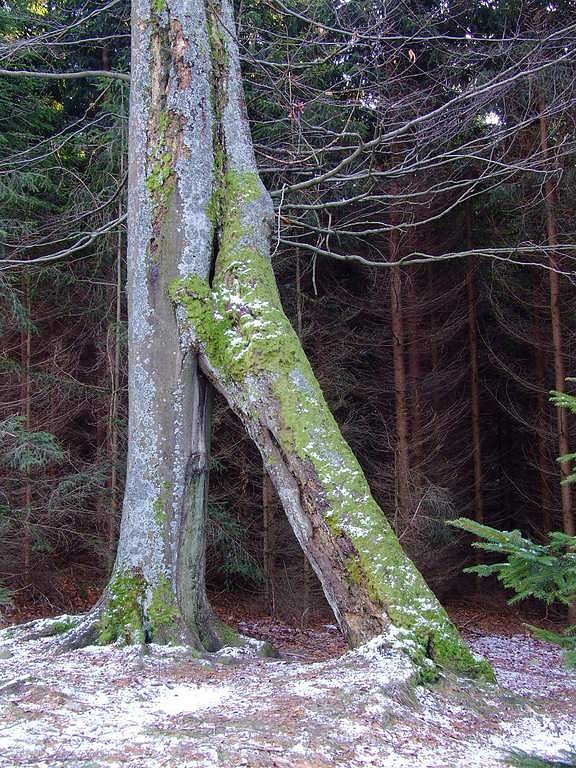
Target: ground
[(317, 706)]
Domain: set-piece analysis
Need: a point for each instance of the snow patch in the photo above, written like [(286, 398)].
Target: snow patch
[(186, 698)]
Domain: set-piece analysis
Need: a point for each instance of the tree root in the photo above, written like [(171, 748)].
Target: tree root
[(68, 632), (84, 633)]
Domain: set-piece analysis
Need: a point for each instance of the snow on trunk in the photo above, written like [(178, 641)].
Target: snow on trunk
[(251, 353), (157, 589)]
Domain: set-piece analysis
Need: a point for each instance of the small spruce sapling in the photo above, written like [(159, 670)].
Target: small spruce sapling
[(544, 571)]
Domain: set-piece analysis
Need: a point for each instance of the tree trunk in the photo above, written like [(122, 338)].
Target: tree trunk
[(474, 376), (556, 324), (26, 405), (413, 318), (251, 353), (113, 428), (199, 192), (400, 387), (269, 543), (157, 589)]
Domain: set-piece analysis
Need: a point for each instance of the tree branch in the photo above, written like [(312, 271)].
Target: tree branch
[(66, 75)]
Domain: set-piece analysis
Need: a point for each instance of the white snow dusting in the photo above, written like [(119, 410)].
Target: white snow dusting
[(105, 707)]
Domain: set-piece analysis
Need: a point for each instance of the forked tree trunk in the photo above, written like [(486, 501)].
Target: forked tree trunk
[(251, 353), (198, 192)]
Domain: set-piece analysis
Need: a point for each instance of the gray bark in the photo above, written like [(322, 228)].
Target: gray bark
[(159, 569), (250, 352)]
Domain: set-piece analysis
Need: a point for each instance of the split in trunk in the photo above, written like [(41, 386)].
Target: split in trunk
[(199, 229)]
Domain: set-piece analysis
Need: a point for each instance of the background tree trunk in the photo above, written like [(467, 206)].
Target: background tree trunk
[(474, 375), (556, 325)]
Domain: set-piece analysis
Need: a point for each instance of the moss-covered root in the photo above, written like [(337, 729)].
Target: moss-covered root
[(40, 628), (123, 617), (250, 351), (137, 612)]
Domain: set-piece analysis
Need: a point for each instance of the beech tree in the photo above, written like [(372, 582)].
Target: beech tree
[(204, 310)]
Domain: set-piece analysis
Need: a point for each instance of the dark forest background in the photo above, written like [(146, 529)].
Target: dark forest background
[(438, 369)]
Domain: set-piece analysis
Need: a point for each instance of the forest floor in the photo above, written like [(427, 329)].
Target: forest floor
[(317, 706)]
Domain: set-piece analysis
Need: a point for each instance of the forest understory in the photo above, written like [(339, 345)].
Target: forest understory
[(287, 312), (315, 705)]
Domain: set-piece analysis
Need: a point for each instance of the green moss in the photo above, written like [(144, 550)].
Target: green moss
[(219, 59), (229, 637), (159, 182), (158, 6), (214, 207), (267, 651), (60, 627), (163, 611), (161, 178), (241, 325), (123, 618), (159, 513)]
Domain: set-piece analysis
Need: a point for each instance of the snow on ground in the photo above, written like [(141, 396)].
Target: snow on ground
[(110, 707)]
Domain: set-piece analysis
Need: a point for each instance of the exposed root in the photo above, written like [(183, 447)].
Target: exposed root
[(85, 632), (39, 628)]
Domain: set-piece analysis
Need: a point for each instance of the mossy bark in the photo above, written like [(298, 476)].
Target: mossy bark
[(250, 352), (156, 591)]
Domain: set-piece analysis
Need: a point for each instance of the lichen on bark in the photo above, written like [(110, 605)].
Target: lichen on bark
[(239, 325)]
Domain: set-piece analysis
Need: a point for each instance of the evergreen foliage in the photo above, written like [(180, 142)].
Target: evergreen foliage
[(564, 400), (518, 758), (24, 449), (228, 544), (544, 571)]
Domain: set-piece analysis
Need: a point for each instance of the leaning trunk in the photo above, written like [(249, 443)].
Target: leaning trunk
[(251, 353)]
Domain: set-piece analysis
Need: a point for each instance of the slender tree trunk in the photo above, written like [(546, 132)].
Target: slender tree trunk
[(113, 429), (269, 543), (400, 386), (474, 377), (26, 405), (543, 455), (414, 372), (556, 325), (543, 418)]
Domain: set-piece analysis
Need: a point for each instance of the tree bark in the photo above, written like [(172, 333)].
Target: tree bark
[(268, 543), (157, 589), (474, 376), (400, 387), (556, 325), (251, 353), (26, 404)]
